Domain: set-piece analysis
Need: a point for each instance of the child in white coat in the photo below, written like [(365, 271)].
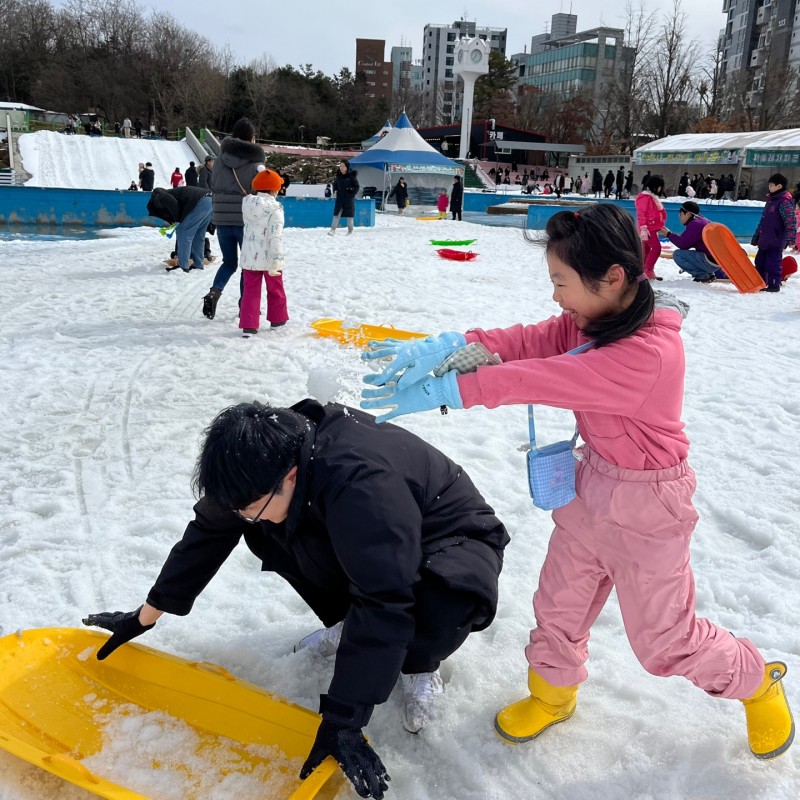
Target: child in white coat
[(262, 254)]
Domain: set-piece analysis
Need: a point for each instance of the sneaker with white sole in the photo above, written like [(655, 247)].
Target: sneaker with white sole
[(419, 691), (324, 642)]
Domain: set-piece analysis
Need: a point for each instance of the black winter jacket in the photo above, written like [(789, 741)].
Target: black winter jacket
[(147, 179), (400, 194), (374, 510), (345, 187), (204, 177), (231, 179), (190, 176), (457, 196), (174, 205)]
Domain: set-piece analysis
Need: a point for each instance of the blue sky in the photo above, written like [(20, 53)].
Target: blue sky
[(298, 33)]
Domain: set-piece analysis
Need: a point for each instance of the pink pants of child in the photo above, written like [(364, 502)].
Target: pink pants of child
[(630, 529), (652, 250), (250, 312)]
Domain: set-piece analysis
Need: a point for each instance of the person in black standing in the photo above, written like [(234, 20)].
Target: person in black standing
[(620, 181), (190, 176), (147, 178), (345, 187), (457, 198), (137, 126), (204, 173), (400, 194)]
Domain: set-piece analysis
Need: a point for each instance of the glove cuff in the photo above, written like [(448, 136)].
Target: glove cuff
[(451, 395), (348, 715)]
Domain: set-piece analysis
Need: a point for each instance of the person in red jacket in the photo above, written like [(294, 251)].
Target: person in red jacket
[(176, 179), (651, 218)]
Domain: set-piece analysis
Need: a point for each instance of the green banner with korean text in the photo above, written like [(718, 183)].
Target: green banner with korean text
[(772, 158), (688, 157)]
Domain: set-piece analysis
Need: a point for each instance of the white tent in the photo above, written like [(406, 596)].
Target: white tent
[(367, 143), (757, 152), (403, 152)]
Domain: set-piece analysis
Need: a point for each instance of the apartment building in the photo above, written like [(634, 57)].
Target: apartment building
[(378, 73), (406, 73), (568, 62), (441, 94), (759, 35)]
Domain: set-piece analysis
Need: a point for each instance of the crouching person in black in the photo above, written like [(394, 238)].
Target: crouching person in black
[(384, 537)]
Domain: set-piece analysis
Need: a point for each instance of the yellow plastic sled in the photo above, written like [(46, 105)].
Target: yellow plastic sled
[(55, 697), (361, 335)]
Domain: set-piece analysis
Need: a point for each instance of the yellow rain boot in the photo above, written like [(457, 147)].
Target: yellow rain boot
[(547, 705), (770, 727)]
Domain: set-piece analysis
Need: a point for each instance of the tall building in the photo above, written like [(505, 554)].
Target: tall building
[(440, 91), (759, 35), (402, 60), (568, 62), (378, 73)]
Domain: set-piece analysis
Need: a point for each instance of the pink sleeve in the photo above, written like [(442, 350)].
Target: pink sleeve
[(548, 338), (615, 379)]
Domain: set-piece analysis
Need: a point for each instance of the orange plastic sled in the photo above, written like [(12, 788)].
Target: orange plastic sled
[(55, 698), (361, 335), (733, 260)]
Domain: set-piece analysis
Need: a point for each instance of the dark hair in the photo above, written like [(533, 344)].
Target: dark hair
[(691, 207), (655, 183), (778, 179), (591, 241), (247, 451), (243, 129)]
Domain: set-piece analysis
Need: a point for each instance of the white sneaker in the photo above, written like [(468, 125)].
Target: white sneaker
[(418, 693), (331, 232), (324, 642)]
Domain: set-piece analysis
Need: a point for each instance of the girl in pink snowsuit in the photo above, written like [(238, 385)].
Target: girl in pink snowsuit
[(631, 521), (651, 218)]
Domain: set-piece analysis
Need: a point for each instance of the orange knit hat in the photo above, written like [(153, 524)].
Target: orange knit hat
[(267, 181)]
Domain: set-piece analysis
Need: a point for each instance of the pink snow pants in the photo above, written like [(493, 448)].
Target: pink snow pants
[(250, 312), (631, 529), (652, 250)]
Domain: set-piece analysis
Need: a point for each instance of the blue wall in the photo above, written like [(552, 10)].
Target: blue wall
[(32, 205), (742, 220)]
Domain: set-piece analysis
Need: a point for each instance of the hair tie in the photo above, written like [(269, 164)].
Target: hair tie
[(642, 278), (577, 214)]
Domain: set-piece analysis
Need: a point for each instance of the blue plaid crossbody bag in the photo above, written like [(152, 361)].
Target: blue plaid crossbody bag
[(551, 469)]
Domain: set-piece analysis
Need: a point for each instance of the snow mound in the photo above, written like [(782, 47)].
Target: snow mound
[(98, 162)]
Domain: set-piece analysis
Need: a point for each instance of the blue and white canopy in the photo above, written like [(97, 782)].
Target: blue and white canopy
[(404, 153), (403, 150), (367, 143)]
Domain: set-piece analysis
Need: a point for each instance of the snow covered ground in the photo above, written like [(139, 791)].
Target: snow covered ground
[(110, 374)]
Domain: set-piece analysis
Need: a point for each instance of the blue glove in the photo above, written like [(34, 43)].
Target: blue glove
[(422, 396), (412, 360)]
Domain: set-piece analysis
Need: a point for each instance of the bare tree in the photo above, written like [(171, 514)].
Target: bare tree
[(620, 114), (670, 76)]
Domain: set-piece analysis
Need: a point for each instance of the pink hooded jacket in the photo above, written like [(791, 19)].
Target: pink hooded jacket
[(627, 396)]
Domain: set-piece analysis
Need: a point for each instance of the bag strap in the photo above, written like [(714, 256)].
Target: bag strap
[(531, 424), (244, 193)]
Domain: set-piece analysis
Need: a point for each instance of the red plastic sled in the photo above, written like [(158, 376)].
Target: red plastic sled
[(788, 267), (733, 260), (456, 255)]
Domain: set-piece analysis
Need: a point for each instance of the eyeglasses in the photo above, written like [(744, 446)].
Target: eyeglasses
[(257, 517)]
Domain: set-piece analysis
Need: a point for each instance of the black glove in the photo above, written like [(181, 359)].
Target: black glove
[(123, 625), (357, 759)]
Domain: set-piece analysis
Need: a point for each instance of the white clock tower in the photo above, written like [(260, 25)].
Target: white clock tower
[(471, 61)]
